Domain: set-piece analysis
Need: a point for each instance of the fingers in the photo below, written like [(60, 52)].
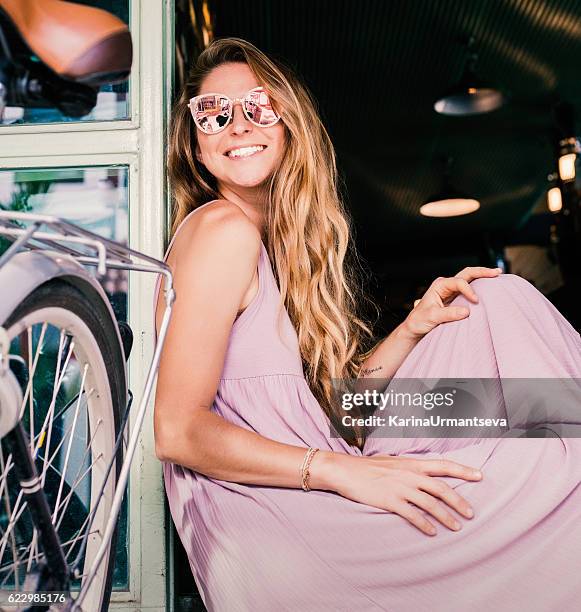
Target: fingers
[(432, 506), (443, 290), (444, 467), (438, 488), (429, 490), (421, 492), (473, 272), (445, 314), (450, 287), (460, 283), (416, 518)]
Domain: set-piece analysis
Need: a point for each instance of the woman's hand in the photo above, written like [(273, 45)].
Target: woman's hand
[(432, 309), (402, 485)]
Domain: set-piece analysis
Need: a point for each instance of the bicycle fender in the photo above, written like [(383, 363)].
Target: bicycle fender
[(27, 270)]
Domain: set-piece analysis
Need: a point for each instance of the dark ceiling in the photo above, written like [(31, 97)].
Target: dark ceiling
[(376, 68)]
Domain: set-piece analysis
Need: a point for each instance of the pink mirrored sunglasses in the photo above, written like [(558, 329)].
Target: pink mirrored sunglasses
[(212, 112)]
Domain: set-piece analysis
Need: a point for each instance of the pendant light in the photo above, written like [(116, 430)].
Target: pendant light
[(449, 202), (569, 148), (554, 199), (470, 96)]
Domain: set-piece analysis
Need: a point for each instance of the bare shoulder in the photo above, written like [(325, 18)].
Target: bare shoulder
[(221, 230), (215, 252)]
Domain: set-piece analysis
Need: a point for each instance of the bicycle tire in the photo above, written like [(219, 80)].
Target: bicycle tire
[(60, 294)]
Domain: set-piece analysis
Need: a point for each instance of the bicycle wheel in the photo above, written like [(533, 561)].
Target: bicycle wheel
[(72, 373)]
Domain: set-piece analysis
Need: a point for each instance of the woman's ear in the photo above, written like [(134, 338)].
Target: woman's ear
[(199, 154)]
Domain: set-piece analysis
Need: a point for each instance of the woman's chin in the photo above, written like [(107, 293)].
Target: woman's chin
[(248, 181)]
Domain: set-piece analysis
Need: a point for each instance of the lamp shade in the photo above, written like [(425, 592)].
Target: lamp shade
[(450, 207), (554, 199), (449, 203), (470, 96), (473, 101)]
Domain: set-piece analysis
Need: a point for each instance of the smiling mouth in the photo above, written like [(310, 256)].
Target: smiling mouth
[(244, 152)]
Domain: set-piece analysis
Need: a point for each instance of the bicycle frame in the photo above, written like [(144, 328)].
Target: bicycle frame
[(62, 252)]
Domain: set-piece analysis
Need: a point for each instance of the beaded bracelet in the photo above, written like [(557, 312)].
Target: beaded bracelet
[(305, 474)]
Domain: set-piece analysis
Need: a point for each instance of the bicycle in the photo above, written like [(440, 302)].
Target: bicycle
[(64, 399)]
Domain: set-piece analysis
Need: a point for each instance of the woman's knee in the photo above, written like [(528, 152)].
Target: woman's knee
[(503, 287)]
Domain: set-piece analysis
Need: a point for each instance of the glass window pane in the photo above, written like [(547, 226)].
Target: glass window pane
[(112, 100), (95, 198)]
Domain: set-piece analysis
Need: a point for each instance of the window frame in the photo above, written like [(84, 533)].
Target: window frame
[(138, 143), (131, 123)]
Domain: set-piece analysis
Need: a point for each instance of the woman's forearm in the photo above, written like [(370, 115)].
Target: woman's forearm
[(389, 355), (219, 449)]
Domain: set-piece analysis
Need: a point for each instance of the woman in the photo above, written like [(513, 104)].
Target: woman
[(244, 388)]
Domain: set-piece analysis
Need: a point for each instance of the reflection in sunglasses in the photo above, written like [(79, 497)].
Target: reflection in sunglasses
[(212, 112)]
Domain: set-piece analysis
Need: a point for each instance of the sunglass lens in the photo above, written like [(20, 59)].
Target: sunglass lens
[(211, 113), (259, 108)]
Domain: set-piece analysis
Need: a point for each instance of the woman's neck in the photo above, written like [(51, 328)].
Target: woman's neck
[(251, 201)]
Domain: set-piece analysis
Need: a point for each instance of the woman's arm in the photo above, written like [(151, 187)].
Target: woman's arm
[(390, 353), (429, 312), (214, 259), (384, 360), (222, 450)]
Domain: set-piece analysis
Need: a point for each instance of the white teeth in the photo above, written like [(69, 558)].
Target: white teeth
[(245, 151)]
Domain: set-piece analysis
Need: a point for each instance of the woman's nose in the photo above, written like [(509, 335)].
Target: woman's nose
[(240, 123)]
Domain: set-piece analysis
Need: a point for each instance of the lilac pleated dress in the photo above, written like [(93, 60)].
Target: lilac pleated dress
[(271, 549)]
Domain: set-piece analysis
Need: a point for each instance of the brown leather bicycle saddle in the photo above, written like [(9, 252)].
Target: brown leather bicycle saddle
[(78, 43)]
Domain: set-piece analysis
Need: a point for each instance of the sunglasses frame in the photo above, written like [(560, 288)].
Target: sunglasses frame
[(233, 102)]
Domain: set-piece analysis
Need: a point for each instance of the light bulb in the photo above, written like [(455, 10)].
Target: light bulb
[(554, 201), (567, 166)]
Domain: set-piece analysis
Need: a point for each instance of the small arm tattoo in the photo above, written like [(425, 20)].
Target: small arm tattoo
[(366, 371)]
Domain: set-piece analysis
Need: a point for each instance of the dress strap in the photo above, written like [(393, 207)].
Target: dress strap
[(179, 227)]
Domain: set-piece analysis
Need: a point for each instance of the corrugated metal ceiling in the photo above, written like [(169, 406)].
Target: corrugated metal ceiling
[(376, 68)]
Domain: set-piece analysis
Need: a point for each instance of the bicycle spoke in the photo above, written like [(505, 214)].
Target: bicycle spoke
[(31, 397), (71, 437), (51, 409), (64, 341), (8, 512), (70, 493), (39, 554), (71, 402), (31, 372), (60, 413), (79, 535), (13, 522), (5, 471), (33, 549), (55, 392), (60, 444)]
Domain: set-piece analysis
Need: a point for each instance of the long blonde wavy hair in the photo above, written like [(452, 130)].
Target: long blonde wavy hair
[(308, 229)]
